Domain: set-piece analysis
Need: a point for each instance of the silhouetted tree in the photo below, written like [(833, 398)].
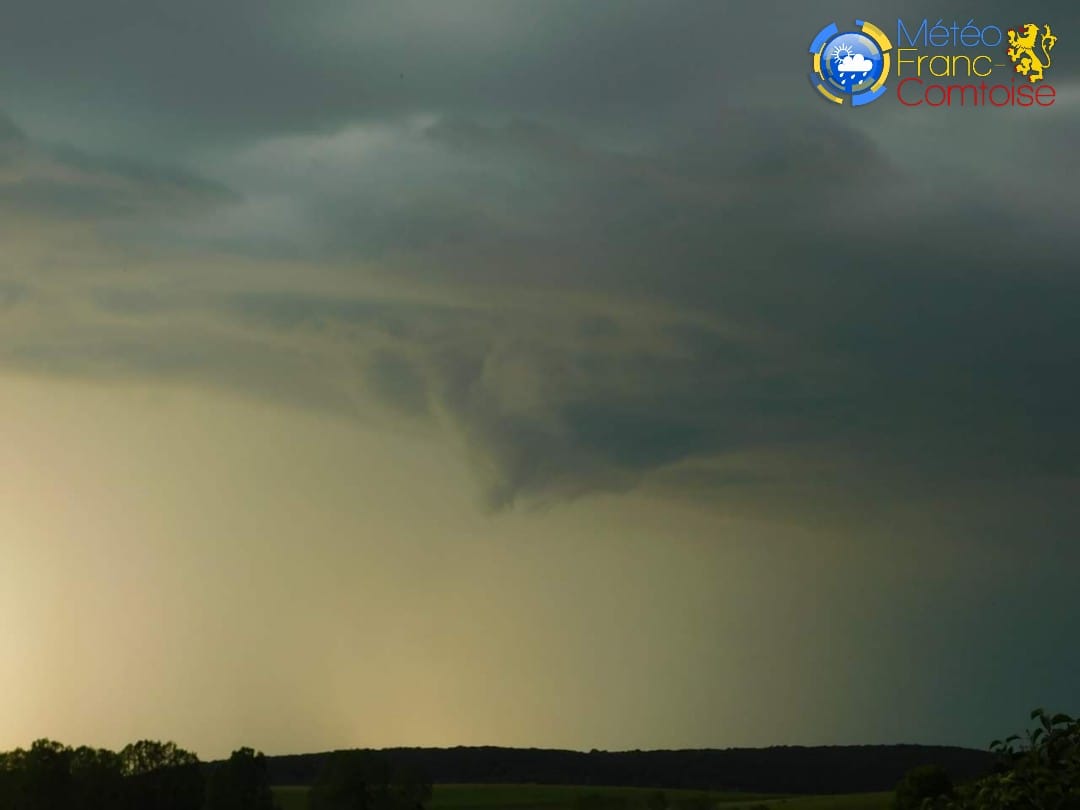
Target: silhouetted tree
[(363, 780), (342, 784), (785, 769), (409, 788), (46, 780), (97, 779), (12, 773), (161, 776), (1043, 775), (9, 775), (924, 782), (12, 777), (240, 783)]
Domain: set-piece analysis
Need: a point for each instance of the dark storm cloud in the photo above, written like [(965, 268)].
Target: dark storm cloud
[(59, 181), (149, 76), (204, 71), (644, 243), (939, 347)]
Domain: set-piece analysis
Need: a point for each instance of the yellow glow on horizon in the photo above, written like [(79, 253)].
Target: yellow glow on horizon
[(222, 572)]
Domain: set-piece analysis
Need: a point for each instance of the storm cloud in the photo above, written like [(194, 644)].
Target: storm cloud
[(588, 267), (533, 372)]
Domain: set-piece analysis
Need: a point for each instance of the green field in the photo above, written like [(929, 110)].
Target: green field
[(561, 797)]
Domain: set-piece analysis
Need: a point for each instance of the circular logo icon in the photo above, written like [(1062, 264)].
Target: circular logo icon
[(850, 64)]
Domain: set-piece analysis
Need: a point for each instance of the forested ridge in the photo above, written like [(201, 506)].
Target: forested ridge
[(779, 769)]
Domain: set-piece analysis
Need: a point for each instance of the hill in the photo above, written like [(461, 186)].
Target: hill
[(780, 769)]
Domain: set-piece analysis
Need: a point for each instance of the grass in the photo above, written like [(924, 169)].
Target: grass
[(850, 801), (556, 797), (561, 797)]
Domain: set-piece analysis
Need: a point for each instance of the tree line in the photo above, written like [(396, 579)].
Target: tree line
[(779, 769), (151, 775)]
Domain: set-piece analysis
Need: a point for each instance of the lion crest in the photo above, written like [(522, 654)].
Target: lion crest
[(1022, 50)]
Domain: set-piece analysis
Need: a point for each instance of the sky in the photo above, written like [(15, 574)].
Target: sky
[(543, 374)]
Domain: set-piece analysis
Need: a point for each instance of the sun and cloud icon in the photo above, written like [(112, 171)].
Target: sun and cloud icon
[(850, 66), (850, 62), (855, 63)]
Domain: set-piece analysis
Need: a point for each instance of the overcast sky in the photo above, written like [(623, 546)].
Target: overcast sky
[(556, 374)]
